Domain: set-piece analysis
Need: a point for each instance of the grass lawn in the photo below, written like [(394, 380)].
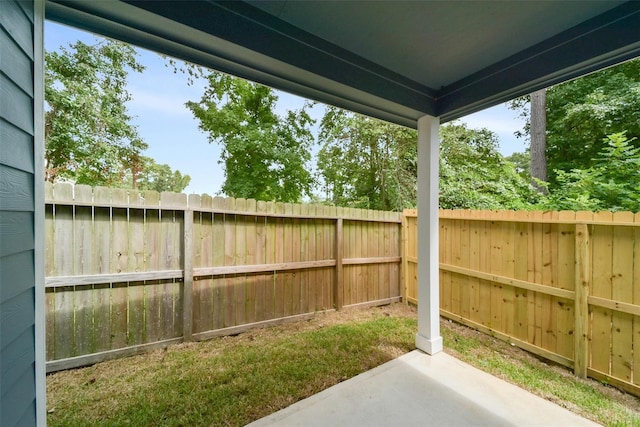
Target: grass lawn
[(235, 380)]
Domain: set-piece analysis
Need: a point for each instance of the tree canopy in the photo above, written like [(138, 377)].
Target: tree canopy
[(89, 135), (581, 114), (366, 163), (474, 175), (610, 183), (88, 132), (265, 156), (372, 164), (158, 177)]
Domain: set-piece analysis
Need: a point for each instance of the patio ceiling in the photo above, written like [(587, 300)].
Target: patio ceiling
[(396, 60)]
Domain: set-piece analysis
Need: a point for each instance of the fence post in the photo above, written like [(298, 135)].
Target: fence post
[(338, 285), (404, 252), (581, 310), (187, 300)]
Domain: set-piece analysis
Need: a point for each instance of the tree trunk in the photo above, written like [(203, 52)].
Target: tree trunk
[(539, 138)]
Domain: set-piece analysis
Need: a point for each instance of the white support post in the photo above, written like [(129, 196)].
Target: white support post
[(38, 219), (428, 338)]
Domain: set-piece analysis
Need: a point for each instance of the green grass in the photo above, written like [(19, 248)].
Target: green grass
[(588, 398), (232, 381), (228, 381)]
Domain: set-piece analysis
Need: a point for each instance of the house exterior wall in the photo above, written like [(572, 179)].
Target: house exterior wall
[(19, 212)]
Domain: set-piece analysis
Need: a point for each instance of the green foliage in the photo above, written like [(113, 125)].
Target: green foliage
[(371, 164), (474, 175), (88, 134), (582, 112), (367, 163), (265, 156), (611, 183), (522, 163), (160, 177)]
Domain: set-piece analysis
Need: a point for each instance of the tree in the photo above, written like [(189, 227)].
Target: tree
[(474, 175), (158, 177), (538, 139), (89, 137), (367, 163), (265, 156), (582, 112), (522, 163), (611, 183)]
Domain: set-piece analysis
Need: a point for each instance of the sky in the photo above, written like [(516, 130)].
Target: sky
[(163, 121)]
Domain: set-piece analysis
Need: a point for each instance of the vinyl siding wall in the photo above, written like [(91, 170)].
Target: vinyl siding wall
[(17, 215)]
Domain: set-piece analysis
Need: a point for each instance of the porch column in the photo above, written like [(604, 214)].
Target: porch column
[(428, 338)]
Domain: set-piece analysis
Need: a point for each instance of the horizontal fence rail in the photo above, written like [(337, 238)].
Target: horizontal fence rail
[(564, 285), (129, 271)]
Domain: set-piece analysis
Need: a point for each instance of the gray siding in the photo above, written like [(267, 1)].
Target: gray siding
[(17, 247)]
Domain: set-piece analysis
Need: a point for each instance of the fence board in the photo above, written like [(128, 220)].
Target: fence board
[(119, 259), (538, 301), (485, 265), (250, 258), (137, 263), (296, 283), (270, 257), (549, 314), (305, 286), (240, 257), (216, 247), (261, 281), (49, 265), (321, 274), (63, 238), (230, 297), (279, 297), (521, 306), (83, 264), (601, 239), (153, 295), (445, 276), (201, 321), (566, 280), (622, 290)]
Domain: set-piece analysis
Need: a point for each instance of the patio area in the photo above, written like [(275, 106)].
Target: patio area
[(421, 390)]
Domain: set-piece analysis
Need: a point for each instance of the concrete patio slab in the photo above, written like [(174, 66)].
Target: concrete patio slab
[(421, 390)]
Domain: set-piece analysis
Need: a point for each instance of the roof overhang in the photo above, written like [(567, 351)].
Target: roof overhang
[(397, 61)]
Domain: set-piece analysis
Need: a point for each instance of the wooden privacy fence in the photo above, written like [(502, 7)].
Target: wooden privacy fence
[(564, 285), (128, 271)]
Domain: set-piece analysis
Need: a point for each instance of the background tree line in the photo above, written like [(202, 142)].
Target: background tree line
[(584, 148)]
